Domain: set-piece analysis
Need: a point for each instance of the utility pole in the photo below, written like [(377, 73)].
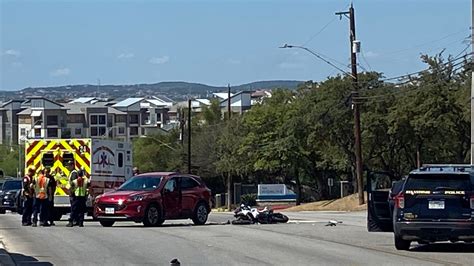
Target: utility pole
[(355, 104), (472, 85), (229, 110), (229, 176), (189, 136), (182, 122)]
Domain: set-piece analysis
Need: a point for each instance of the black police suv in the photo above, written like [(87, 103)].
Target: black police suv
[(435, 203), (9, 193)]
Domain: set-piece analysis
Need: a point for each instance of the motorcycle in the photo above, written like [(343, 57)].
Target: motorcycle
[(248, 215)]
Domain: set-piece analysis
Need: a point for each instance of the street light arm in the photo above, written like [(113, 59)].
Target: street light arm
[(318, 56)]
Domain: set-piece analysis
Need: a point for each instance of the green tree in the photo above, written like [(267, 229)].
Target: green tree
[(9, 160)]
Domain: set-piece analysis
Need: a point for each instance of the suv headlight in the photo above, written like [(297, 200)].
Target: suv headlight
[(136, 198)]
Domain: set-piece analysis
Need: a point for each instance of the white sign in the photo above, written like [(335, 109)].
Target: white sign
[(330, 182), (271, 189)]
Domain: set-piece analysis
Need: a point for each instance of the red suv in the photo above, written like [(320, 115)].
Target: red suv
[(152, 198)]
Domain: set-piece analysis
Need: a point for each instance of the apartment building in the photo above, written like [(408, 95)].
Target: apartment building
[(85, 117), (90, 117), (9, 121)]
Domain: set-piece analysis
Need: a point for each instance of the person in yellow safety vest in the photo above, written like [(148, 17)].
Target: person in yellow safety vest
[(79, 187), (73, 174), (41, 187)]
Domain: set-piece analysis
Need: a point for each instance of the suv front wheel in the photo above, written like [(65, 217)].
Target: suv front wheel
[(200, 214), (152, 216), (106, 223), (401, 244)]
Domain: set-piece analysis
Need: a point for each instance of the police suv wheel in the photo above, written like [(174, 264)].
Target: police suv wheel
[(401, 244)]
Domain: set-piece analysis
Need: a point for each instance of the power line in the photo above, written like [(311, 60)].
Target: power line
[(321, 30), (426, 43), (409, 75), (467, 47), (409, 81), (365, 60)]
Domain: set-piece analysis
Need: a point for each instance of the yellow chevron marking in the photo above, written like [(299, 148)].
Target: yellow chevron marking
[(77, 158), (34, 151), (50, 146), (86, 154)]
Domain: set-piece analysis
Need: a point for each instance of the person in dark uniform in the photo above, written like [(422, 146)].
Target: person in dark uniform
[(52, 189), (28, 195)]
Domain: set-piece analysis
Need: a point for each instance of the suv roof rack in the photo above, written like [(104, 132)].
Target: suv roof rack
[(446, 167)]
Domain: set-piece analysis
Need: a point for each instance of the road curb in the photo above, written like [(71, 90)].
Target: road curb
[(5, 258)]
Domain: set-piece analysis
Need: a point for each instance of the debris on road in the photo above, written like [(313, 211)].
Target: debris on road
[(175, 262), (333, 223)]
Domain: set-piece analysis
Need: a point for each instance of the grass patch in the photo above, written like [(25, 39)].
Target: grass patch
[(349, 203)]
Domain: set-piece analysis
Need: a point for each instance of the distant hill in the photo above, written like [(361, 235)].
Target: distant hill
[(174, 90)]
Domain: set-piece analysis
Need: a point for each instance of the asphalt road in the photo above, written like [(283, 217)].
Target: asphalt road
[(305, 240)]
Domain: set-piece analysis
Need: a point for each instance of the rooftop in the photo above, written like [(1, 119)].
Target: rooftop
[(127, 102)]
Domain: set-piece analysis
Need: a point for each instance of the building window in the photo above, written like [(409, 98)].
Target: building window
[(37, 132), (52, 132), (75, 118), (133, 119), (121, 131), (25, 120), (78, 131), (98, 120), (37, 121), (120, 160), (133, 131), (147, 118), (22, 131), (120, 119), (52, 120), (98, 131)]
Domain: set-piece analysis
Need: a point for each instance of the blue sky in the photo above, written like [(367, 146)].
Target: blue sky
[(47, 43)]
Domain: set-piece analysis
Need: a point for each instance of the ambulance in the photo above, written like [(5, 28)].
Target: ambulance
[(108, 163)]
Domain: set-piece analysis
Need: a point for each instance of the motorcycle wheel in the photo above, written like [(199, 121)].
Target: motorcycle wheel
[(279, 218), (240, 221)]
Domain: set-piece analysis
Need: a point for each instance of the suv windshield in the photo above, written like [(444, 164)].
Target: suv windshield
[(439, 182), (141, 183), (12, 185)]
